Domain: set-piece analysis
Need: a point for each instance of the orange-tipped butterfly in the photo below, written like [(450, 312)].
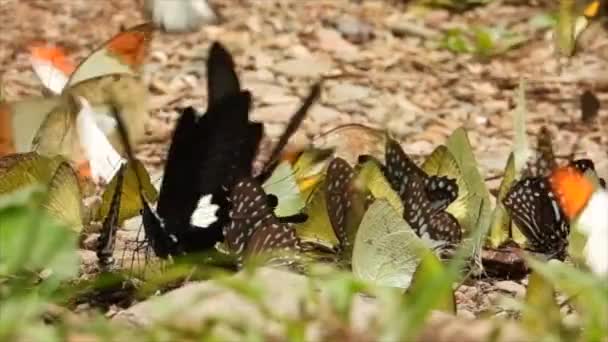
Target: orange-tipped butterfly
[(542, 207), (122, 54)]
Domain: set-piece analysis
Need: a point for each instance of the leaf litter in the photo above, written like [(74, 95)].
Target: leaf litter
[(369, 50)]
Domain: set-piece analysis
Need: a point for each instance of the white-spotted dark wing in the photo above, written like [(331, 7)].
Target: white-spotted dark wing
[(418, 210), (441, 191), (537, 214), (337, 197), (253, 227)]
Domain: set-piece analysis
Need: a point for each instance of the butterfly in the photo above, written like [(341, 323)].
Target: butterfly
[(253, 228), (337, 196), (107, 238), (208, 156), (583, 165), (122, 54), (424, 201), (536, 212), (107, 77), (64, 197)]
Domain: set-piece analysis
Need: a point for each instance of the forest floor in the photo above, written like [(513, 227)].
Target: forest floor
[(386, 67)]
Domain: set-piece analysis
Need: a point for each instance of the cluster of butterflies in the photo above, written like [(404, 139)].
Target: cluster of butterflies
[(209, 170), (211, 197)]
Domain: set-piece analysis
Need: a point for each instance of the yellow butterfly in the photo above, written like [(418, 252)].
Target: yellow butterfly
[(107, 79)]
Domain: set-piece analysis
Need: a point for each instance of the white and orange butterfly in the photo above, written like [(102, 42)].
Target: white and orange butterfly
[(586, 205), (50, 125)]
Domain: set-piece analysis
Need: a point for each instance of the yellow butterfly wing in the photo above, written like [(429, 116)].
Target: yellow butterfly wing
[(130, 203), (441, 162), (317, 229), (122, 54), (21, 170), (370, 175), (501, 221), (64, 198)]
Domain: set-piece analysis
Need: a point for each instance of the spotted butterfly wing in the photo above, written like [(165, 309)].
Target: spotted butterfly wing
[(537, 214), (418, 209), (441, 191), (337, 196), (253, 228)]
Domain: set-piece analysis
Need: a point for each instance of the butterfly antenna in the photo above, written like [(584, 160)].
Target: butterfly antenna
[(292, 126)]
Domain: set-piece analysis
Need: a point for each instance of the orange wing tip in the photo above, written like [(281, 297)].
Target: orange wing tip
[(53, 54), (592, 9), (6, 130), (83, 170), (572, 189), (132, 46), (291, 156)]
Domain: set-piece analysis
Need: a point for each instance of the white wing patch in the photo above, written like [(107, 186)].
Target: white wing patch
[(593, 221), (102, 156), (50, 76), (204, 214)]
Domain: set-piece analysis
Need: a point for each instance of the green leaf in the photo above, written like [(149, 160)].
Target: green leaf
[(456, 41), (37, 253), (387, 250), (565, 29), (485, 41), (541, 315), (30, 239), (588, 292), (431, 270)]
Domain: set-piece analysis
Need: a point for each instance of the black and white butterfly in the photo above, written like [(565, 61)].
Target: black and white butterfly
[(536, 212), (208, 154), (424, 198)]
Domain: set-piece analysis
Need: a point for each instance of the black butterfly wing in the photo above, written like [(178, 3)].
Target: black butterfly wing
[(162, 242), (418, 211), (178, 197), (107, 238), (537, 214), (337, 197), (230, 143), (586, 164), (222, 79)]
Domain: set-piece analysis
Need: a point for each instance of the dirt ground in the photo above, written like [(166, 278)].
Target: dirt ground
[(384, 65)]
